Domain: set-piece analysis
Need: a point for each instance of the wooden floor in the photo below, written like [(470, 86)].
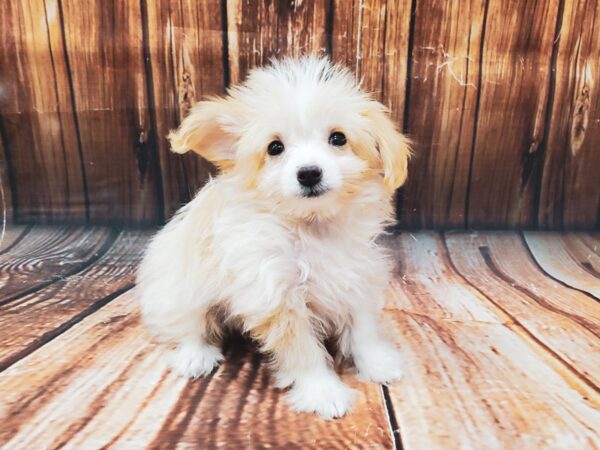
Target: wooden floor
[(499, 334)]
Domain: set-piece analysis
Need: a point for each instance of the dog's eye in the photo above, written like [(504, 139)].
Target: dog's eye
[(337, 138), (275, 148)]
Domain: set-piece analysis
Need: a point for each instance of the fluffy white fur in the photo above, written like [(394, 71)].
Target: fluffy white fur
[(251, 251)]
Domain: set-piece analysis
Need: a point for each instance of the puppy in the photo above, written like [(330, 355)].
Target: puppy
[(282, 243)]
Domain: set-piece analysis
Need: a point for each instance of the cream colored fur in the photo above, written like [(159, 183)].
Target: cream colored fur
[(250, 251)]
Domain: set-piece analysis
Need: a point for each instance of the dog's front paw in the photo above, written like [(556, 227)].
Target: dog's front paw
[(195, 360), (325, 395), (381, 364)]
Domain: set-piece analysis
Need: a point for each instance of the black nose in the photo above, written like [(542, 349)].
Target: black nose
[(309, 176)]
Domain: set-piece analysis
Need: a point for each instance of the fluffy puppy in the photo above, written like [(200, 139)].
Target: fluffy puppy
[(282, 243)]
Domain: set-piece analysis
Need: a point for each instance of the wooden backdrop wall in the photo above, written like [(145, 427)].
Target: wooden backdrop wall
[(502, 98)]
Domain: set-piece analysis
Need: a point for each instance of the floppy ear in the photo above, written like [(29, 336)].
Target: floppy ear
[(208, 131), (393, 147)]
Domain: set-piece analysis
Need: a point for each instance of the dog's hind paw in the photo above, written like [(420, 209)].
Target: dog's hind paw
[(193, 360)]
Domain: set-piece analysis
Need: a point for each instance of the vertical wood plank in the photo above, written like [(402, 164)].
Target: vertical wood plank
[(104, 43), (371, 38), (258, 31), (441, 114), (186, 52), (36, 111), (570, 192), (515, 79), (6, 199)]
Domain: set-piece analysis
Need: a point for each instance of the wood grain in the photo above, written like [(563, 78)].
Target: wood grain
[(186, 64), (48, 254), (104, 44), (6, 194), (564, 321), (566, 261), (258, 31), (499, 97), (110, 386), (36, 114), (570, 192), (12, 235), (371, 38), (514, 87), (32, 320), (471, 378), (591, 241), (441, 114)]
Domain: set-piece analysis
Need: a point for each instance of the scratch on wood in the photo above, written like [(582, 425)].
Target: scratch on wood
[(582, 111)]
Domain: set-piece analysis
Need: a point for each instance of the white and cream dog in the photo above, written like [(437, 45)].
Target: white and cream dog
[(282, 244)]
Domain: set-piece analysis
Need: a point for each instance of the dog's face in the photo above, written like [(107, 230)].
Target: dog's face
[(299, 132)]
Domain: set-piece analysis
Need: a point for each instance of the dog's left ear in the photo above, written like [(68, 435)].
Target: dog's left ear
[(208, 130), (393, 147)]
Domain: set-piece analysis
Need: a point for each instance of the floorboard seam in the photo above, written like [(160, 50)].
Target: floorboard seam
[(517, 323), (77, 269), (539, 266), (391, 418), (52, 334)]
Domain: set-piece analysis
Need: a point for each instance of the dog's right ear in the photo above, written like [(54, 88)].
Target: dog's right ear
[(208, 130)]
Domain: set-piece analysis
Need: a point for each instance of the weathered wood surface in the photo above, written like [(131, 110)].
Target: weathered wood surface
[(47, 255), (473, 378), (567, 259), (258, 31), (112, 108), (186, 60), (12, 235), (500, 98), (6, 198), (442, 109), (69, 299), (37, 123), (110, 386), (514, 89), (559, 318), (570, 191), (497, 354)]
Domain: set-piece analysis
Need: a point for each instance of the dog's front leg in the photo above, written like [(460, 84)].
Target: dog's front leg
[(375, 357), (300, 360)]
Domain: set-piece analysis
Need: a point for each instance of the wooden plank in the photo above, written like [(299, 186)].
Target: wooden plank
[(36, 114), (559, 258), (591, 241), (570, 196), (472, 379), (515, 79), (258, 31), (110, 386), (12, 235), (584, 250), (104, 44), (32, 320), (6, 195), (441, 119), (48, 254), (371, 38), (185, 40), (566, 322)]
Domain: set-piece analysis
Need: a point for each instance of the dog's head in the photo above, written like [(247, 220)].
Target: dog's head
[(300, 132)]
